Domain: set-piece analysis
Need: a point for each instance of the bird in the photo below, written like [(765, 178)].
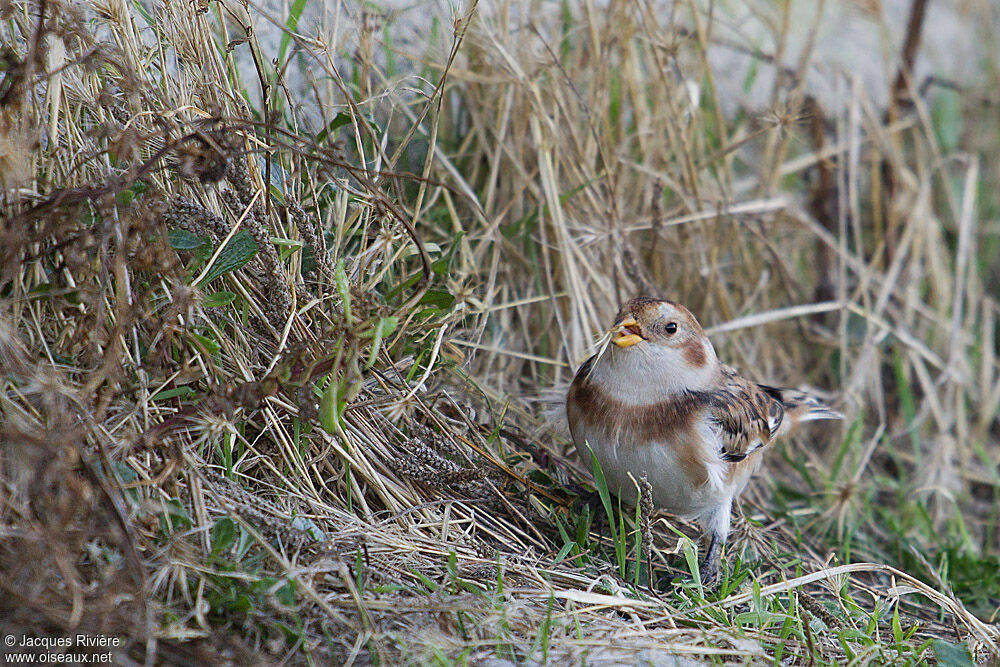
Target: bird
[(657, 401)]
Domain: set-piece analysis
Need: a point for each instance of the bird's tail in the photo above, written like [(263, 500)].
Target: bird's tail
[(801, 407)]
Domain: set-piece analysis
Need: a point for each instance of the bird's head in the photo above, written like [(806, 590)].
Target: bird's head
[(665, 334)]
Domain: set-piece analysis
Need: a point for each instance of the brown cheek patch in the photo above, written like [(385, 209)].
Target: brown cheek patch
[(694, 354), (672, 420)]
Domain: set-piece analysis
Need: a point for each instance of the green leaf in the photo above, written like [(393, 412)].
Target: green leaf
[(286, 595), (409, 282), (441, 299), (308, 260), (308, 526), (218, 299), (425, 580), (389, 51), (442, 266), (286, 246), (897, 629), (240, 250), (172, 393), (174, 517), (602, 489), (126, 475), (384, 327), (182, 239), (126, 197), (291, 243), (276, 193), (759, 618), (431, 248), (210, 345), (223, 536), (691, 556), (952, 655), (343, 289), (547, 628), (328, 407), (566, 548), (291, 23), (333, 402), (338, 121), (145, 14), (947, 117)]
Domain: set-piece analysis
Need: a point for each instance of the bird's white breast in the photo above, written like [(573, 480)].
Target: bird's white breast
[(623, 462)]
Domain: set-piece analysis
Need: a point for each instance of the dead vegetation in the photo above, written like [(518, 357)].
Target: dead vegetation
[(274, 350)]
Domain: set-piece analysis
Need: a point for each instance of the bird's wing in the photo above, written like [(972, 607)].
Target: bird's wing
[(746, 414)]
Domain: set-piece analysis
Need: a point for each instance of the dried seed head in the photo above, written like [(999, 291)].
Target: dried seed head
[(200, 159)]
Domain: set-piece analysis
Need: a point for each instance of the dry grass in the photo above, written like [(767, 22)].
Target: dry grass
[(277, 367)]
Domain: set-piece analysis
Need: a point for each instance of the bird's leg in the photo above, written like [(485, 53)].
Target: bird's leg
[(718, 529), (710, 568)]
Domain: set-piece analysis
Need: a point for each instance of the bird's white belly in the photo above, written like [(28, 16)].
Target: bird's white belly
[(674, 490)]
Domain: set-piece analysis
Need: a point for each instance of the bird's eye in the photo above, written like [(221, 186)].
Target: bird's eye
[(671, 328)]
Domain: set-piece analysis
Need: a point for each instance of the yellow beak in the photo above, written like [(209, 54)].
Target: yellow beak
[(623, 339)]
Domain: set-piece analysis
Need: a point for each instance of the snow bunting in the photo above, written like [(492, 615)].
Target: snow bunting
[(658, 401)]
